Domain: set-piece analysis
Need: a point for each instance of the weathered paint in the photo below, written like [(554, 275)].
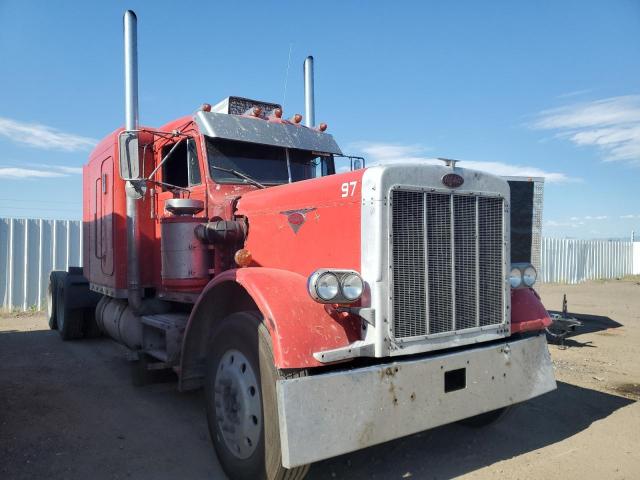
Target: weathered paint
[(298, 326), (327, 237), (527, 311)]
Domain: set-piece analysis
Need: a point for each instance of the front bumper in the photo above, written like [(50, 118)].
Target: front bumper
[(330, 414)]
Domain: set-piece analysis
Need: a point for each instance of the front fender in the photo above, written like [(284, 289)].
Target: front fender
[(298, 325), (527, 311)]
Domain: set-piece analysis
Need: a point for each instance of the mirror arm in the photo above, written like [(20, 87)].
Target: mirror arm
[(162, 162)]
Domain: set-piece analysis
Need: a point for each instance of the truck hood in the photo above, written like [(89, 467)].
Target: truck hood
[(305, 225)]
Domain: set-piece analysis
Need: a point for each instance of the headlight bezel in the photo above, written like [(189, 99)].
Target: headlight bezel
[(341, 275), (521, 268)]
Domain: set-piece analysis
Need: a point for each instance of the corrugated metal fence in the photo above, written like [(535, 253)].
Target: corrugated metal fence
[(574, 261), (29, 250)]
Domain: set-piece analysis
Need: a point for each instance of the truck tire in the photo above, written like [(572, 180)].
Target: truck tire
[(240, 391), (54, 279), (486, 419), (69, 320)]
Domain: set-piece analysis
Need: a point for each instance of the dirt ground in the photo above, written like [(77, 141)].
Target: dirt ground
[(69, 411)]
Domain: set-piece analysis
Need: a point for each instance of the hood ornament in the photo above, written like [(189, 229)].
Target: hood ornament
[(449, 162)]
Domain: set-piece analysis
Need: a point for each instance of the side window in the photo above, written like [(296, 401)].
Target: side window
[(181, 168), (192, 161)]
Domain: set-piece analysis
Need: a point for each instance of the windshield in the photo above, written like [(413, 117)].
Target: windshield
[(263, 163)]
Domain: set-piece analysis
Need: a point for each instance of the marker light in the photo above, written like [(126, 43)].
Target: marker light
[(322, 127), (243, 257), (277, 113), (297, 118), (205, 107)]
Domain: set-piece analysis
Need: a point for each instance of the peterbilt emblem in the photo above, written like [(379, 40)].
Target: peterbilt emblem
[(452, 180), (296, 218)]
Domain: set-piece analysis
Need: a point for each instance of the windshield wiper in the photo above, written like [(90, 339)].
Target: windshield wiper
[(239, 174)]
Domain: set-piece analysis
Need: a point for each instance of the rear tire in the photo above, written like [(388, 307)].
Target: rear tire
[(69, 320), (242, 412), (55, 279)]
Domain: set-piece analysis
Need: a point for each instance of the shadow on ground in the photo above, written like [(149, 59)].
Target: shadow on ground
[(69, 410), (454, 450)]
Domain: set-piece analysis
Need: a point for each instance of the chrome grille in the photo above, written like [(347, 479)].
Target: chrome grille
[(447, 262)]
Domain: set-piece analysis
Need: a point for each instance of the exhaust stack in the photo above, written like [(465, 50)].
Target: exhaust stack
[(130, 70), (134, 193), (309, 101)]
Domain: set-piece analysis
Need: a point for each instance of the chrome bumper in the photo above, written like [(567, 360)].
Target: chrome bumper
[(326, 415)]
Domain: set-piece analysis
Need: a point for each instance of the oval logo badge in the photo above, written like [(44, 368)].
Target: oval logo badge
[(452, 180), (296, 218)]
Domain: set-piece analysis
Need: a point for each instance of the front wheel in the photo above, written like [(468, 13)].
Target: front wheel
[(240, 389)]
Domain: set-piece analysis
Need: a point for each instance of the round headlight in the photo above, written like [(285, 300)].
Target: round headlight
[(529, 276), (327, 286), (352, 286), (515, 277)]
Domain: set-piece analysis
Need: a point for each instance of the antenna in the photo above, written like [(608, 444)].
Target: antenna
[(286, 78)]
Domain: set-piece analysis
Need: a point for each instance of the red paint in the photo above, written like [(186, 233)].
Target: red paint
[(527, 311), (298, 326), (329, 235), (294, 229)]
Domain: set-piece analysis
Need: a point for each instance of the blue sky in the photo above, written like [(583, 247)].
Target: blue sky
[(536, 88)]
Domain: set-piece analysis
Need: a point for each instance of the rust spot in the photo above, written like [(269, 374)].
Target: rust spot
[(412, 396)]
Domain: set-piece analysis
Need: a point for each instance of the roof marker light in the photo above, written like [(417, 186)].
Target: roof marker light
[(322, 127), (297, 118), (205, 107)]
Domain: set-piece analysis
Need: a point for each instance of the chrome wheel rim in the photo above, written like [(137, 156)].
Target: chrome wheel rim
[(238, 404)]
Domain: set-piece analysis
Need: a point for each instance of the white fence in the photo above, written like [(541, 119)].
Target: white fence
[(574, 261), (29, 250)]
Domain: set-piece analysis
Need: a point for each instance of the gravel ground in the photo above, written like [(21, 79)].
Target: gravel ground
[(69, 411)]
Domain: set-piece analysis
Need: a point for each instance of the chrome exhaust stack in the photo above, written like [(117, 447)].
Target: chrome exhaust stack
[(309, 101), (134, 192)]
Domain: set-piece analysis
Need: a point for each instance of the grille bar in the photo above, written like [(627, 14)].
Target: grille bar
[(447, 256)]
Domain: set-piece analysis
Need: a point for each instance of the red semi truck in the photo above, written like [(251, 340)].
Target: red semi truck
[(321, 312)]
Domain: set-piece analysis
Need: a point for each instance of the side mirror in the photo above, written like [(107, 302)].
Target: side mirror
[(129, 164), (356, 164)]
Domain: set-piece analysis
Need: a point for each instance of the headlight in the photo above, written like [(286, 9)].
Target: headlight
[(515, 277), (327, 286), (352, 286), (529, 276), (522, 275), (335, 286)]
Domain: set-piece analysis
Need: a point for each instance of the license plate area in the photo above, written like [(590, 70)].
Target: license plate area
[(455, 380)]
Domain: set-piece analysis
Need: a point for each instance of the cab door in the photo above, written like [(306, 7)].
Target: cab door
[(104, 217)]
